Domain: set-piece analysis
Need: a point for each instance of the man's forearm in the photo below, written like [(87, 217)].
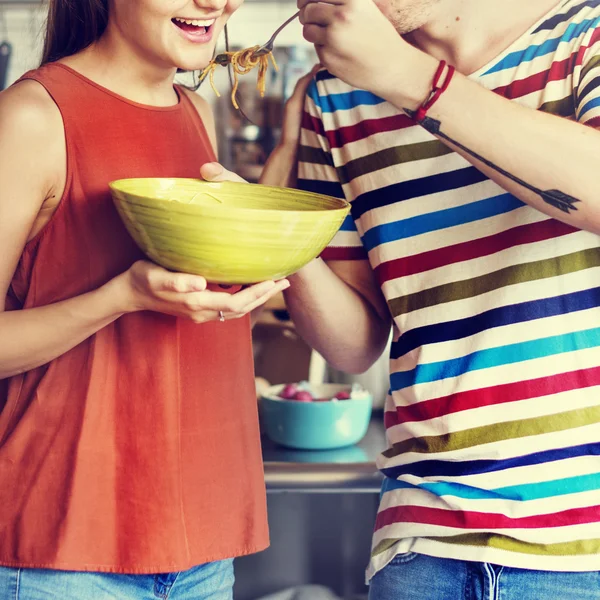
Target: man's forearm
[(336, 320), (546, 161)]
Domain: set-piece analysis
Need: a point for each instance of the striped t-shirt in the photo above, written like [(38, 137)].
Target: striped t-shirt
[(493, 417)]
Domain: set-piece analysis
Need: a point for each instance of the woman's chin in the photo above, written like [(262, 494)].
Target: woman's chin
[(191, 68), (193, 63)]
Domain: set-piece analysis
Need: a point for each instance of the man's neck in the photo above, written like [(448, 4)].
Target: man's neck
[(470, 33)]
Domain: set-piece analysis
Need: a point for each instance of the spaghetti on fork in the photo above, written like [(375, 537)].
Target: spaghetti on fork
[(242, 62)]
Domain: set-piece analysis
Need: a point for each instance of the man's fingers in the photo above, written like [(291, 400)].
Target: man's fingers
[(315, 34), (317, 14), (302, 3)]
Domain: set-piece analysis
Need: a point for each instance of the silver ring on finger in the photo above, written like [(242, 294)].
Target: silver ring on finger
[(221, 316)]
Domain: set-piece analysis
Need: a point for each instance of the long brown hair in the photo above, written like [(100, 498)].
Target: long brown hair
[(72, 26)]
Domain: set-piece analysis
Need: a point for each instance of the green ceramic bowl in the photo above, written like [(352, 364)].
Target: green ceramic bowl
[(227, 232)]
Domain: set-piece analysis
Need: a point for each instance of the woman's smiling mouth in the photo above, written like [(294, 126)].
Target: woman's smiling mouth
[(194, 30)]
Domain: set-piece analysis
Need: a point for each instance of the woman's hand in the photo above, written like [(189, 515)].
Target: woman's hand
[(216, 172), (146, 286), (356, 42)]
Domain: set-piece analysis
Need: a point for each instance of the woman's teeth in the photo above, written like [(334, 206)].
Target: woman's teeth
[(194, 22)]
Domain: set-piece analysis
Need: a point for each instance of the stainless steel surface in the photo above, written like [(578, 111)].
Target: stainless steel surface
[(268, 47), (345, 470)]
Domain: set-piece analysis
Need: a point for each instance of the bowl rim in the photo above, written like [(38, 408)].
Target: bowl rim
[(343, 204), (273, 398)]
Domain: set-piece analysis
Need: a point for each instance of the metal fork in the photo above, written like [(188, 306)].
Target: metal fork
[(268, 47), (223, 59)]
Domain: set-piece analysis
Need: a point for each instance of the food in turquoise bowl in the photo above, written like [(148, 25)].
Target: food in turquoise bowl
[(320, 417)]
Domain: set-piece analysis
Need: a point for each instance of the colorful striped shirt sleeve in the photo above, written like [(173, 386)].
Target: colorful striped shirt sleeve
[(587, 92), (316, 173)]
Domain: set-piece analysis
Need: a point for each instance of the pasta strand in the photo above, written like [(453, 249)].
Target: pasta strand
[(242, 62)]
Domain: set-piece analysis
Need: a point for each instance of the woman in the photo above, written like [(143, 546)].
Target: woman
[(130, 460)]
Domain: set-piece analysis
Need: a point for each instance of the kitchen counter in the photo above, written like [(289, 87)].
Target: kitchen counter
[(350, 469)]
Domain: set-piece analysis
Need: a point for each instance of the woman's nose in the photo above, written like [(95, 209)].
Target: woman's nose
[(211, 4)]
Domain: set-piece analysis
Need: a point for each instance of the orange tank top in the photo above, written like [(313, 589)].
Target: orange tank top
[(137, 451)]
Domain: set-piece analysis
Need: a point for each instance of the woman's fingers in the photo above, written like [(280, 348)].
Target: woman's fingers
[(250, 298), (181, 283), (264, 299), (186, 295), (156, 279), (232, 305), (217, 172)]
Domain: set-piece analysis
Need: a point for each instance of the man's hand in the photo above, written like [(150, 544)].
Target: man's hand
[(355, 42)]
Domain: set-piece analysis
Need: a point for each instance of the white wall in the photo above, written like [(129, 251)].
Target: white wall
[(252, 24), (24, 27), (255, 22)]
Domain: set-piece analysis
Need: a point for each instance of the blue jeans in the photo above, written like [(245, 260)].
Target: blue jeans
[(418, 577), (212, 581)]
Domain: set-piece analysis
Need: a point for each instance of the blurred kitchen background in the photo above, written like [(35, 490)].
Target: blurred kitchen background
[(322, 505)]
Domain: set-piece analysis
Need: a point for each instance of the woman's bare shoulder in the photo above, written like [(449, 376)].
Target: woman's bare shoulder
[(31, 130), (32, 147), (27, 107)]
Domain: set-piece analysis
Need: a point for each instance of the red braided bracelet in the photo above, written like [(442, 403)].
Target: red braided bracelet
[(436, 90)]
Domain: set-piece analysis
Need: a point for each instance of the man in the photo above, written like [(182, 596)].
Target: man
[(474, 231)]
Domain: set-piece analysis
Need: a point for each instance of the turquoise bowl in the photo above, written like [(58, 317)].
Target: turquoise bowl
[(315, 425)]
